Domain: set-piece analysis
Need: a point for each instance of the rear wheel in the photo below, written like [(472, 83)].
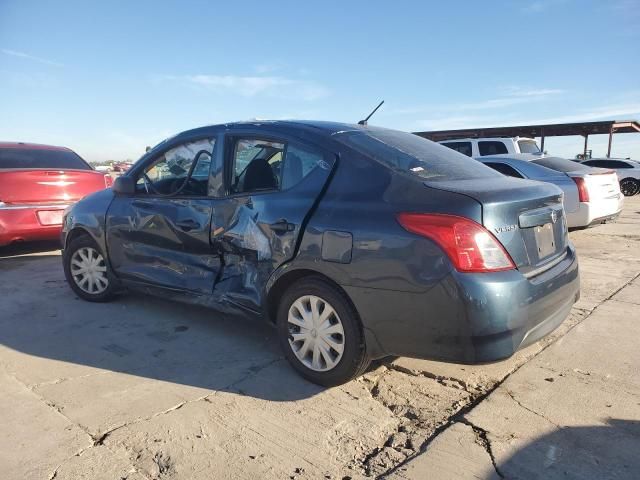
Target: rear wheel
[(87, 271), (629, 187), (320, 333)]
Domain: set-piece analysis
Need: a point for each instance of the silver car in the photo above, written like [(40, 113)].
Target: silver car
[(628, 172), (591, 195)]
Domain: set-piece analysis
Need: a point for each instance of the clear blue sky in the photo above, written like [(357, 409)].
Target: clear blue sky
[(108, 78)]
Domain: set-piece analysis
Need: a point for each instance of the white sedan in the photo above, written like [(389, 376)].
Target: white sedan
[(628, 172)]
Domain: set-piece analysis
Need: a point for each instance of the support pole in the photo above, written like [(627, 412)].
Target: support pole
[(542, 140), (586, 141), (610, 140)]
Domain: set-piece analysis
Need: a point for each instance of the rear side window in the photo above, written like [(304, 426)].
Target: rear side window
[(257, 165), (504, 169), (492, 148), (41, 158), (299, 162), (619, 164), (561, 164), (607, 164), (462, 147), (411, 154), (528, 146)]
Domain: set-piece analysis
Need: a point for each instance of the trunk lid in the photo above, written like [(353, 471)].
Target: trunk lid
[(50, 187), (526, 216), (602, 184)]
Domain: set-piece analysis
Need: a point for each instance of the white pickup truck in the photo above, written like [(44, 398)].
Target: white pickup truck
[(480, 147)]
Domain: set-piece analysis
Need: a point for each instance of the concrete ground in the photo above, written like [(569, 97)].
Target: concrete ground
[(143, 389)]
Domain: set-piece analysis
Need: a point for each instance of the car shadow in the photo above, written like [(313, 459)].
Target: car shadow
[(605, 451), (24, 248), (143, 336)]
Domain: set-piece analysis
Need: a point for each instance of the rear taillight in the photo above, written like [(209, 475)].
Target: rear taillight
[(583, 192), (470, 246), (108, 181)]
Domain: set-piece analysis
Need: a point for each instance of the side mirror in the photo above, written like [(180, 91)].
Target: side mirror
[(124, 185)]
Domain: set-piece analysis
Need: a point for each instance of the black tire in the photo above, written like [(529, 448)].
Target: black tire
[(354, 360), (78, 243), (629, 187)]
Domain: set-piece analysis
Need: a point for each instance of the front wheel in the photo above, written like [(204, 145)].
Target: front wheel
[(87, 271), (629, 187), (320, 333)]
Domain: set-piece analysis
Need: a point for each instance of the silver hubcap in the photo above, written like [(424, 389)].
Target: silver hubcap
[(89, 270), (316, 335)]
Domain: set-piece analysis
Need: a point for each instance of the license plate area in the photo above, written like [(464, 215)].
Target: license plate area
[(50, 217), (545, 240)]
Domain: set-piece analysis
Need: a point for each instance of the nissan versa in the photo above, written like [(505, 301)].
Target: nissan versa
[(356, 242)]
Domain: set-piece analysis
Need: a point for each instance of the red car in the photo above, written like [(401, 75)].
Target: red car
[(37, 182)]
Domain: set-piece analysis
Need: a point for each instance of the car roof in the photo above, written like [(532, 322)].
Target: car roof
[(314, 126), (31, 146)]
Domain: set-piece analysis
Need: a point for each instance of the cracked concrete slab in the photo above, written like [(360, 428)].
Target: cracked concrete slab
[(631, 295), (255, 432), (421, 405), (97, 463), (35, 438), (454, 455)]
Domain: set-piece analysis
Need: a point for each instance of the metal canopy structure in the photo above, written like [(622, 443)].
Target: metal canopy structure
[(607, 127)]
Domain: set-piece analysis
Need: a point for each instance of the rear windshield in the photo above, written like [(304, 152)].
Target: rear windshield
[(561, 164), (415, 155), (528, 146), (41, 158)]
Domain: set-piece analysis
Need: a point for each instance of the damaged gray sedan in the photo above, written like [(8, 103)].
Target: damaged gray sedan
[(356, 242)]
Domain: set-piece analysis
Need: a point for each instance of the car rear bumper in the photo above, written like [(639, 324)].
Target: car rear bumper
[(29, 223), (469, 318), (595, 212)]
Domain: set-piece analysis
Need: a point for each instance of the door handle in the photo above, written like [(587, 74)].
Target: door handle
[(282, 226), (187, 225)]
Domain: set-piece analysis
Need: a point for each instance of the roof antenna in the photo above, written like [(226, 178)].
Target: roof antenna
[(364, 122)]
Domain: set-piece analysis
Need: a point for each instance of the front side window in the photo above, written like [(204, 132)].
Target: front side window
[(180, 171), (593, 163), (462, 147), (492, 148), (257, 165)]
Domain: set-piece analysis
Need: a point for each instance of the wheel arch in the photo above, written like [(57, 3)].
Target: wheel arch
[(279, 284), (282, 282), (76, 232)]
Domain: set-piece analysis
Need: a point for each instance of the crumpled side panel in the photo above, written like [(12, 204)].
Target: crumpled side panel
[(246, 234), (247, 258)]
